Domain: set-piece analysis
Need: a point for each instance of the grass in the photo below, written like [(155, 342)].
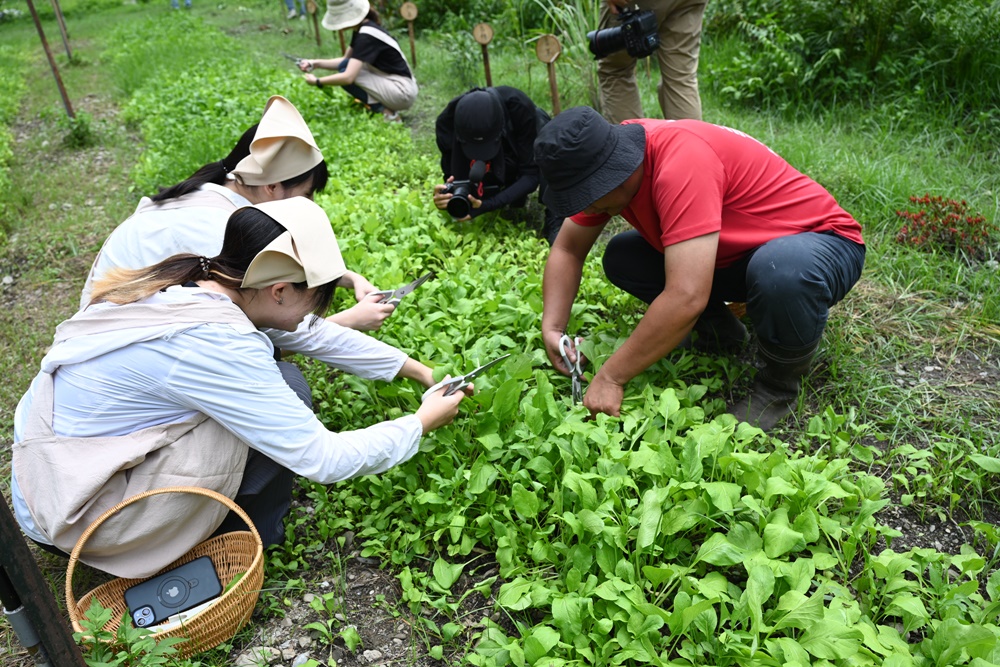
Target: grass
[(911, 310)]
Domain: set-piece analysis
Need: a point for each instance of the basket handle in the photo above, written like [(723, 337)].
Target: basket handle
[(78, 547)]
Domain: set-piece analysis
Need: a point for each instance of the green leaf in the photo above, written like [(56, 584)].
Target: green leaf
[(506, 398), (515, 595), (482, 476), (718, 550), (541, 640), (446, 574), (830, 640), (650, 511), (800, 612), (568, 614), (526, 502), (779, 537)]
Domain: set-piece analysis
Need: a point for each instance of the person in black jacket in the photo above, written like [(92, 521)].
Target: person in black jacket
[(490, 134)]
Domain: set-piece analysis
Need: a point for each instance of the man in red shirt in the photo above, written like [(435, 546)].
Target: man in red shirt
[(718, 217)]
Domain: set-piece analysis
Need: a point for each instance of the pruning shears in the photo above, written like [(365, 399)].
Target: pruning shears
[(299, 61), (565, 344), (394, 296), (451, 385)]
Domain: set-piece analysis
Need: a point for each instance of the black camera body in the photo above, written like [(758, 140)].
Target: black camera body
[(636, 34), (459, 205)]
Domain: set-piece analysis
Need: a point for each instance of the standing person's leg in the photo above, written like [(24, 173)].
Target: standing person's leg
[(290, 6), (635, 266), (680, 44), (265, 493), (792, 282), (617, 88)]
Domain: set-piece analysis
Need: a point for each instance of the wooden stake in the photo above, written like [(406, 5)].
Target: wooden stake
[(311, 9), (52, 61), (548, 49), (409, 12), (483, 33), (343, 45), (33, 590), (62, 27)]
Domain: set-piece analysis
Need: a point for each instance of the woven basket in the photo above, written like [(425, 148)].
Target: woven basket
[(232, 554)]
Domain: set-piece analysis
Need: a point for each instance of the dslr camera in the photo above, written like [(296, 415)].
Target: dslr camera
[(459, 205), (636, 34)]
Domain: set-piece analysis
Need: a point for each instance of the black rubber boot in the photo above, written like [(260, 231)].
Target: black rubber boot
[(776, 387), (719, 331)]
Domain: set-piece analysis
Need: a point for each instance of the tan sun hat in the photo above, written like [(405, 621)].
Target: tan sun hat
[(282, 148), (306, 253), (342, 14)]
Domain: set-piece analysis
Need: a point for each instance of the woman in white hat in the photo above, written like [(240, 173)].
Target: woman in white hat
[(167, 381), (374, 69), (274, 159)]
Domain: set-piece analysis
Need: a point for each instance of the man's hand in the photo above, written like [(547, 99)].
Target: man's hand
[(311, 79), (367, 315), (604, 395), (551, 339), (615, 6), (440, 196)]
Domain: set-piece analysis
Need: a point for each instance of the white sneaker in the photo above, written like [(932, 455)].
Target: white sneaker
[(391, 116), (291, 14)]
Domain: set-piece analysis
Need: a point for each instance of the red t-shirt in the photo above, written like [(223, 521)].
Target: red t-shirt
[(700, 178)]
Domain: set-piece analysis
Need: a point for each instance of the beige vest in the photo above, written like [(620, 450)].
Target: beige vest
[(68, 482)]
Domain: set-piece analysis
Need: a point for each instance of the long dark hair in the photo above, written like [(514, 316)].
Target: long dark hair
[(215, 172), (373, 16), (248, 231)]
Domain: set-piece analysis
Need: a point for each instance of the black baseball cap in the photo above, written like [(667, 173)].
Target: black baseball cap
[(479, 123)]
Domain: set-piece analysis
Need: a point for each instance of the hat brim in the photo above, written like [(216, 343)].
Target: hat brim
[(623, 160), (347, 17), (483, 150)]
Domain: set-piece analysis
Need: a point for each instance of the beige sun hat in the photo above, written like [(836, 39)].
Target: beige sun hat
[(306, 253), (342, 14), (282, 148)]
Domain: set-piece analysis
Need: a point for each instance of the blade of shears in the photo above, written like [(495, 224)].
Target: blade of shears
[(409, 287), (473, 374)]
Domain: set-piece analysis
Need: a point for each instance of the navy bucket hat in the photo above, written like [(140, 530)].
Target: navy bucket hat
[(583, 157)]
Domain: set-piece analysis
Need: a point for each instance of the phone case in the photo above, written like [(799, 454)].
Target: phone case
[(155, 600)]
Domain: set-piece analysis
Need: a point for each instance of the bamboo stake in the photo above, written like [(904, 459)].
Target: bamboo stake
[(52, 61), (62, 27)]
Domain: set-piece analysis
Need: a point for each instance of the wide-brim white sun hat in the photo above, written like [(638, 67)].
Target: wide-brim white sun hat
[(342, 14)]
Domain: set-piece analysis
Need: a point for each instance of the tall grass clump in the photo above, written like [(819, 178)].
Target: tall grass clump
[(922, 55)]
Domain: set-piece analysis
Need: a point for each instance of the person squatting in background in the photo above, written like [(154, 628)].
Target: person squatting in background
[(275, 159), (486, 137), (373, 70), (167, 380), (718, 217), (679, 28)]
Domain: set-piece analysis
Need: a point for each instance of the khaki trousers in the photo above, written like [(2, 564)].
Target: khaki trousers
[(679, 24), (394, 91)]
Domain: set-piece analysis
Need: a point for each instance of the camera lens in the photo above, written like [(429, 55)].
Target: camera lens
[(458, 206), (605, 42)]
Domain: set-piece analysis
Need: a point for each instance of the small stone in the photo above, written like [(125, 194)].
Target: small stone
[(286, 622), (351, 576), (305, 642), (931, 368), (288, 654), (300, 659), (67, 206), (258, 655), (397, 641), (340, 617), (308, 597), (372, 655), (8, 280), (52, 207), (400, 636), (337, 654), (89, 202)]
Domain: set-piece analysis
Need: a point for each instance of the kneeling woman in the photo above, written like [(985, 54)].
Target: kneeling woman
[(374, 69), (167, 381)]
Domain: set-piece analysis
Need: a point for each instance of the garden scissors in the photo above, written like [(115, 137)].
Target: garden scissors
[(298, 61), (462, 381), (575, 372), (394, 296)]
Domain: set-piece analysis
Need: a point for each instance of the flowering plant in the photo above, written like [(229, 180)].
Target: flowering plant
[(946, 224)]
